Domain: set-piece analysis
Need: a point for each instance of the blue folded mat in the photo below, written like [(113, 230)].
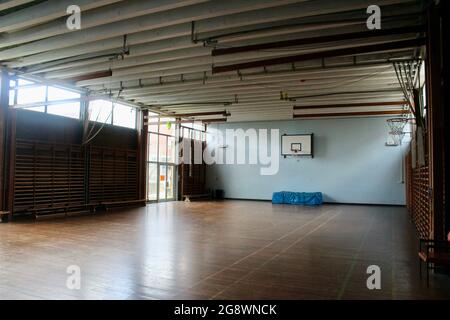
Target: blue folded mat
[(298, 198)]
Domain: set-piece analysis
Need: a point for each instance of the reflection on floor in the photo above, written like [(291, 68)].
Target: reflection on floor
[(218, 250)]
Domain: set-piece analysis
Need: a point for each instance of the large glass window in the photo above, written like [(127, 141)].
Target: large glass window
[(112, 113), (31, 95), (153, 147), (124, 116), (100, 111), (171, 151), (52, 99), (152, 183), (55, 94), (70, 110), (161, 179), (28, 92), (193, 131), (166, 126)]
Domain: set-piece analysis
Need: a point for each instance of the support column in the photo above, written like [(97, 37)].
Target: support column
[(446, 103), (4, 101), (142, 147), (7, 147), (436, 119)]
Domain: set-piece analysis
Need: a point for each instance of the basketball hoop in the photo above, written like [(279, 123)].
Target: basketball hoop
[(396, 126), (296, 148), (397, 138)]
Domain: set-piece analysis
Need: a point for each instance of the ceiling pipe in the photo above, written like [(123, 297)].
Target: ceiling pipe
[(144, 40), (319, 40), (327, 94), (191, 57), (115, 12), (196, 114), (349, 18), (352, 114), (295, 87), (387, 46), (214, 120), (224, 103), (44, 12), (8, 4), (168, 70), (347, 105), (187, 14), (219, 98), (202, 81)]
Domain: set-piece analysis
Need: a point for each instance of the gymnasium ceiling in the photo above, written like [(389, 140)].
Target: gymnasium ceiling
[(190, 57)]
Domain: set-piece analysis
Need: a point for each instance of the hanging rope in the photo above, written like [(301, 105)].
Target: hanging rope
[(89, 139), (91, 136)]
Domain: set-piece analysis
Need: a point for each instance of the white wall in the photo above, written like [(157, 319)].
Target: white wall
[(351, 164)]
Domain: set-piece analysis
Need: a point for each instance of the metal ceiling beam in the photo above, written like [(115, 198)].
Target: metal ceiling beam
[(388, 46), (92, 18), (89, 76), (178, 67), (254, 19), (153, 21), (154, 38), (351, 114), (300, 10), (265, 104), (8, 4), (348, 105), (291, 90), (194, 114), (316, 70), (299, 82), (319, 40), (259, 96), (45, 11), (136, 63)]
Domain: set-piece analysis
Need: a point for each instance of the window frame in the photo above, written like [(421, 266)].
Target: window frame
[(17, 87)]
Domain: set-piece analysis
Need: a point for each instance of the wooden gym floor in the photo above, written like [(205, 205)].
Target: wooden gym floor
[(217, 250)]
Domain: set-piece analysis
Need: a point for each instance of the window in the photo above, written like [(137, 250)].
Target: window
[(193, 133), (196, 125), (171, 152), (153, 147), (161, 179), (55, 94), (12, 92), (167, 126), (71, 110), (23, 82), (28, 92), (162, 148), (100, 111), (153, 122), (112, 113), (31, 94), (124, 116)]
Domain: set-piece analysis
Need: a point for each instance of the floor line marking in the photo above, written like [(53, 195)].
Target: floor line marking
[(260, 249), (278, 254), (355, 256)]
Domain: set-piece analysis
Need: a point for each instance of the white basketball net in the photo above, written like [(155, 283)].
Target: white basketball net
[(396, 126)]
